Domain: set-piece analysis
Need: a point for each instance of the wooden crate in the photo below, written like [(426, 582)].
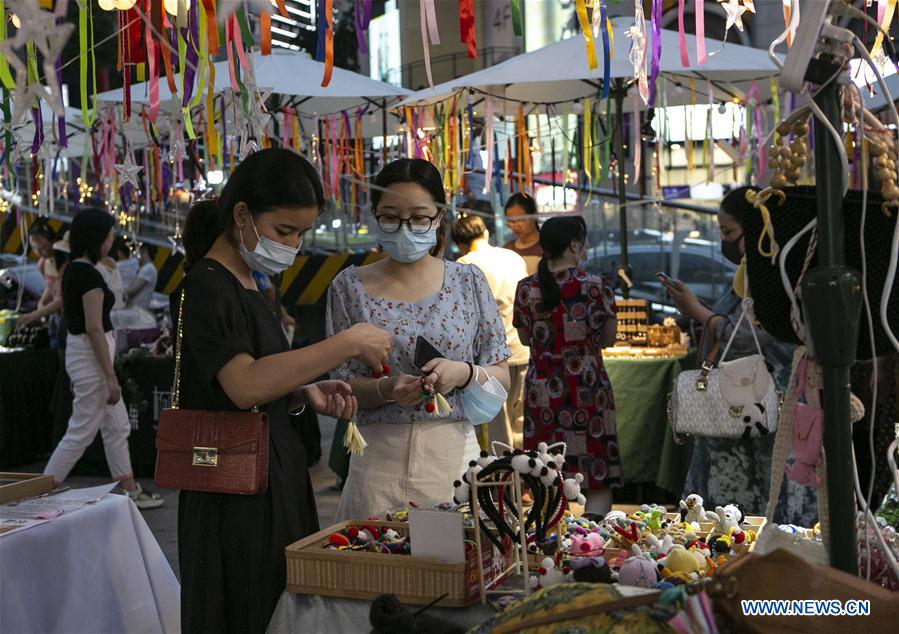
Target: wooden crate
[(314, 569), (16, 486), (750, 522)]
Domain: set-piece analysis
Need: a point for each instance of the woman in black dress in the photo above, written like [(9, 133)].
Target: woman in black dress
[(234, 357)]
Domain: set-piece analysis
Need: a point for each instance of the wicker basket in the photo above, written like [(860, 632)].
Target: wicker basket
[(314, 569)]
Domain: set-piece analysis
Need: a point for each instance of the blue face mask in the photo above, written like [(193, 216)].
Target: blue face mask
[(481, 403), (405, 246)]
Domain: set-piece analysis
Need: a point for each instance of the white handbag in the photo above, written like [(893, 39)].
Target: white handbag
[(736, 401)]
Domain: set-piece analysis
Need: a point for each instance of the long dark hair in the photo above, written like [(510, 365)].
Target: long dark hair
[(556, 236), (524, 201), (88, 233), (264, 181), (422, 173)]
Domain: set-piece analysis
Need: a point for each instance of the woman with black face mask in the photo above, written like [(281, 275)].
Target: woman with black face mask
[(725, 471)]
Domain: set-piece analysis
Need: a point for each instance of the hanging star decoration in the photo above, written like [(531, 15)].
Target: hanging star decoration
[(750, 5), (734, 11), (128, 171), (38, 26), (177, 240), (177, 149)]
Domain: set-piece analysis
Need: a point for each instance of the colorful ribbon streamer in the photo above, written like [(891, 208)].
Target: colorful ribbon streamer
[(516, 17), (885, 18), (682, 35), (608, 39), (588, 33), (5, 76), (429, 33), (699, 15), (467, 33), (656, 27)]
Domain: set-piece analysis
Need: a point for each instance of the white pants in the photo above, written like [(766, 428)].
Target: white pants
[(90, 414), (406, 462)]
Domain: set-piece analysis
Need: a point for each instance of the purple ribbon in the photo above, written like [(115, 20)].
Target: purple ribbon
[(224, 132), (191, 35), (656, 18), (359, 21), (367, 19), (63, 137), (38, 129), (606, 49)]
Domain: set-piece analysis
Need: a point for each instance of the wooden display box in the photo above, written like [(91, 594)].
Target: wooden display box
[(314, 569), (17, 486)]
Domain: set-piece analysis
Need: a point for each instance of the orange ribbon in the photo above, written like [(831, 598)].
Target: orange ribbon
[(265, 26), (212, 29), (329, 44)]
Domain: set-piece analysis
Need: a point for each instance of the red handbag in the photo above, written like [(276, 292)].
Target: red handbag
[(211, 451)]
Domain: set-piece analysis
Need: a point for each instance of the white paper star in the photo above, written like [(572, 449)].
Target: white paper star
[(176, 240), (49, 38), (750, 5), (734, 11), (128, 171)]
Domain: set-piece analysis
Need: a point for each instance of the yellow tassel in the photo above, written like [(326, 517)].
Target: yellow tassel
[(353, 440), (443, 407)]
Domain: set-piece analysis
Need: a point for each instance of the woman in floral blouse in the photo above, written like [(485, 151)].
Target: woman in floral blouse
[(412, 454), (567, 317)]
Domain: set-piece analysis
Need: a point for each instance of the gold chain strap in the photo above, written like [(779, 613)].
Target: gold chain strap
[(179, 335)]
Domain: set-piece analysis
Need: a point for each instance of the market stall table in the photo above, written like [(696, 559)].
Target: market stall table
[(98, 569), (648, 451), (327, 615), (27, 381)]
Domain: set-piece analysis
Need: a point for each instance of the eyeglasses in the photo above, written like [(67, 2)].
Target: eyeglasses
[(417, 224)]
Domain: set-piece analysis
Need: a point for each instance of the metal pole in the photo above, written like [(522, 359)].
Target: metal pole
[(620, 89), (384, 133), (832, 294)]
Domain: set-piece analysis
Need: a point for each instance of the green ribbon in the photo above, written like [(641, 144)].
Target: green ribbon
[(5, 76), (245, 32), (516, 17)]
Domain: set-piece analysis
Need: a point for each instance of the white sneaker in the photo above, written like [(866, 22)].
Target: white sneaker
[(145, 499)]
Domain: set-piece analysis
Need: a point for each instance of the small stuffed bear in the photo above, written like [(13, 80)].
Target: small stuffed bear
[(549, 575), (725, 518), (571, 487)]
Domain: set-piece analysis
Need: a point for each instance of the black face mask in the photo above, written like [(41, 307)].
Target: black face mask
[(730, 249)]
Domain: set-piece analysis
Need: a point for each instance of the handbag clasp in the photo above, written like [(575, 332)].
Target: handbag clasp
[(206, 457)]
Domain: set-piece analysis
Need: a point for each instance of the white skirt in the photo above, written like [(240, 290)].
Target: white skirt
[(406, 462)]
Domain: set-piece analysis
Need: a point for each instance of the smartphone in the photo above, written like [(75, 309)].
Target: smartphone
[(425, 352), (664, 278)]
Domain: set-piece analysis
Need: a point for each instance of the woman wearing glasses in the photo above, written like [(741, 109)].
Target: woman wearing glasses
[(413, 454)]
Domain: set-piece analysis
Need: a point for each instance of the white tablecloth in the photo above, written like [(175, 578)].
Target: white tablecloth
[(98, 569)]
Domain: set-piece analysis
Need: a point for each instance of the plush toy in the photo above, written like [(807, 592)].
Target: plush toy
[(755, 423), (571, 487), (627, 537), (681, 564), (713, 565), (725, 518), (654, 522), (741, 540), (589, 545), (691, 510), (461, 492), (549, 575), (591, 570), (613, 516), (659, 548), (639, 572)]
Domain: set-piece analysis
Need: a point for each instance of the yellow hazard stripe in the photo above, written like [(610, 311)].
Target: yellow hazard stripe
[(161, 256), (322, 279), (291, 274), (175, 279)]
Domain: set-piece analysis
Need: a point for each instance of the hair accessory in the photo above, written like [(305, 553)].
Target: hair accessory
[(470, 376)]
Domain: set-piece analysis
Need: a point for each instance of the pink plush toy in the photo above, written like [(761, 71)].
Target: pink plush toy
[(638, 571), (589, 545)]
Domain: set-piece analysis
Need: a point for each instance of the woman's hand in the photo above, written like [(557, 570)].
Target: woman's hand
[(685, 300), (443, 376), (24, 320), (369, 344), (330, 398), (404, 389), (115, 392)]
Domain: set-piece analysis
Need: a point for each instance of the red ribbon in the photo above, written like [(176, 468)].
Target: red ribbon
[(466, 27)]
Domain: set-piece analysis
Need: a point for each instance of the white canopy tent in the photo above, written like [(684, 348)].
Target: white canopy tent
[(560, 73), (297, 77)]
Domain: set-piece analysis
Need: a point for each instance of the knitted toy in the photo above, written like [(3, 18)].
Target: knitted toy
[(725, 518), (639, 572), (691, 510), (549, 575), (589, 545)]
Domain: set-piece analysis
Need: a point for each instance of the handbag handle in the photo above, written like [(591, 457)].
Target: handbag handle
[(179, 335), (702, 381), (747, 307)]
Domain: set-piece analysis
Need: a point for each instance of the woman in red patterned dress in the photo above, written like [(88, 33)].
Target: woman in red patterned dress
[(567, 317)]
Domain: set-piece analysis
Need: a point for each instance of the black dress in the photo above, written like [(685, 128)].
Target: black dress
[(231, 547)]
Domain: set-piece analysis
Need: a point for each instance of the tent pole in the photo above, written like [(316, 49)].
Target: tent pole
[(384, 133), (832, 293), (620, 89)]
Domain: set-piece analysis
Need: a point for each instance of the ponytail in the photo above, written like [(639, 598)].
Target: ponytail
[(549, 288), (556, 236), (201, 229)]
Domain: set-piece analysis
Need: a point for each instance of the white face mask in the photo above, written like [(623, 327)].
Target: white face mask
[(269, 257), (405, 246)]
